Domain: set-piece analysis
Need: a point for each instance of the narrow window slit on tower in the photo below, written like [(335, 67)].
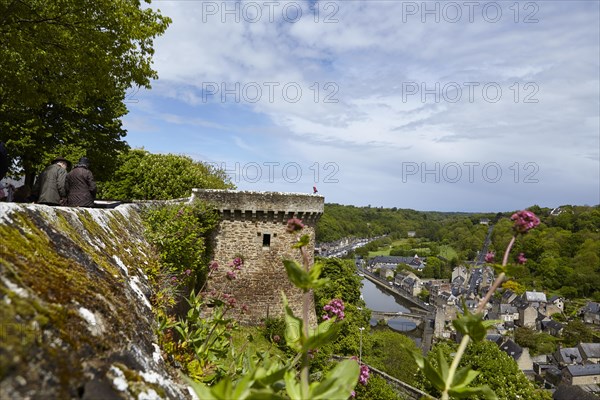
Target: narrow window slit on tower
[(266, 240)]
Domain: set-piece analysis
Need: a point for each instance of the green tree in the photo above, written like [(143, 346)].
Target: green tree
[(389, 351), (424, 294), (344, 284), (576, 332), (514, 286), (525, 337), (434, 268), (496, 369), (68, 65), (538, 343), (144, 176)]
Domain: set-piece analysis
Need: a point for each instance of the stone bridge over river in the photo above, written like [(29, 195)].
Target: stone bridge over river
[(417, 319)]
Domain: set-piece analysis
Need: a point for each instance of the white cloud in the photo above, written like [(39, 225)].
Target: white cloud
[(365, 65)]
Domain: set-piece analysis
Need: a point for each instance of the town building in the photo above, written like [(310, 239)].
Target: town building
[(591, 313)]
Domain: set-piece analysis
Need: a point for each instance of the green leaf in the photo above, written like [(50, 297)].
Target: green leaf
[(473, 325), (417, 356), (442, 365), (498, 268), (221, 391), (463, 377), (201, 390), (437, 376), (297, 275), (338, 383), (242, 387), (323, 334), (272, 372), (315, 271), (465, 392), (292, 387), (264, 394), (303, 242), (293, 327)]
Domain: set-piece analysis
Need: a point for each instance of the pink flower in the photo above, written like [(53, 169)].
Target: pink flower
[(230, 275), (353, 394), (244, 308), (213, 266), (524, 221), (294, 224), (237, 263), (231, 301), (521, 258), (188, 272), (276, 338), (334, 308), (364, 375), (489, 257)]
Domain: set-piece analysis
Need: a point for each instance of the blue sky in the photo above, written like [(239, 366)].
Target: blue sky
[(453, 106)]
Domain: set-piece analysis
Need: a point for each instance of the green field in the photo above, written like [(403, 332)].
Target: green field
[(380, 252), (385, 251), (446, 251)]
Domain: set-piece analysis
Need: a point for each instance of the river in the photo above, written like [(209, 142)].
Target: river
[(379, 300)]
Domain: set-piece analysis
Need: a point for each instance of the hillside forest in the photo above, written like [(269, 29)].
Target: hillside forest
[(563, 253)]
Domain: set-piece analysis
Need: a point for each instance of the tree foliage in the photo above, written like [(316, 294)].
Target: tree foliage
[(563, 252), (181, 234), (496, 369), (537, 342), (67, 66), (384, 349), (344, 284), (340, 221), (141, 175), (376, 389), (576, 332), (389, 351)]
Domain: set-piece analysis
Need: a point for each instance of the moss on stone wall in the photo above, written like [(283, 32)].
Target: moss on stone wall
[(74, 303)]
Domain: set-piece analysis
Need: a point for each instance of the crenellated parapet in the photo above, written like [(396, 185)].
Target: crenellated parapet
[(263, 206), (253, 226)]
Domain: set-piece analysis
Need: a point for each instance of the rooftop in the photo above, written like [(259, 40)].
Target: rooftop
[(535, 297), (589, 350), (570, 354), (584, 370)]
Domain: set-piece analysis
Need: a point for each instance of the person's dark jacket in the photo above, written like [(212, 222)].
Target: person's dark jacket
[(50, 185), (81, 187)]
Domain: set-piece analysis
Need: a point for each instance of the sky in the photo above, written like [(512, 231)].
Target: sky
[(429, 105)]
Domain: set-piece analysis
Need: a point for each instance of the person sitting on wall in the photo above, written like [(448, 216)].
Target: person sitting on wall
[(81, 186), (49, 187)]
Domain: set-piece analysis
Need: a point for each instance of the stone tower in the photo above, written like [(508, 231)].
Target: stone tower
[(253, 227)]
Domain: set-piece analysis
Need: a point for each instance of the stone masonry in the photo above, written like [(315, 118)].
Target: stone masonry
[(253, 227)]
